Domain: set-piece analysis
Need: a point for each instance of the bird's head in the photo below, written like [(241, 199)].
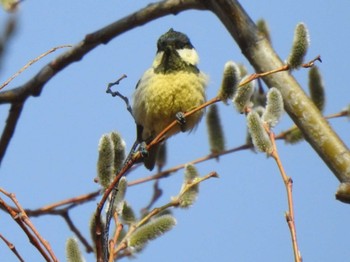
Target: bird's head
[(175, 52)]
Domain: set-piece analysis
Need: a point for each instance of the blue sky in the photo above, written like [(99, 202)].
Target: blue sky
[(239, 217)]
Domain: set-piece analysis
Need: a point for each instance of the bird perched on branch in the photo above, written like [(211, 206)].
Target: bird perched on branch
[(173, 85)]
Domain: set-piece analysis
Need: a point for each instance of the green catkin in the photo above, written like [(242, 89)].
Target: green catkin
[(119, 197), (242, 97), (73, 252), (153, 229), (230, 81), (187, 198), (243, 70), (260, 137), (300, 45), (316, 88), (274, 107), (119, 150), (128, 214), (105, 168), (293, 136), (215, 130)]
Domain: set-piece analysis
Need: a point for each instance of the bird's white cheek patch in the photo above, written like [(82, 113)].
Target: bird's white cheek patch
[(189, 55)]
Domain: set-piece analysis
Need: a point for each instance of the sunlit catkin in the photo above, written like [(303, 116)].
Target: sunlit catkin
[(260, 137), (119, 150), (300, 45), (120, 195), (242, 97), (153, 229), (187, 195), (230, 81), (274, 107)]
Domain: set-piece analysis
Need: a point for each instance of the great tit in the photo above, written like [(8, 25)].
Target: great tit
[(172, 85)]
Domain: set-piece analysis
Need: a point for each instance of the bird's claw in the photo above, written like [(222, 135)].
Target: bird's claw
[(181, 120)]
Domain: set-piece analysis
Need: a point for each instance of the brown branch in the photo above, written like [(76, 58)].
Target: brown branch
[(9, 129), (23, 221), (288, 182), (72, 202), (12, 248)]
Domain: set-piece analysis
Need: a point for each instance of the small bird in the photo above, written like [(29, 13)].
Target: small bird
[(173, 85)]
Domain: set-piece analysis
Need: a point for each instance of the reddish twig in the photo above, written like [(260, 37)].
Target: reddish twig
[(12, 248), (72, 202), (23, 221), (281, 69), (288, 182)]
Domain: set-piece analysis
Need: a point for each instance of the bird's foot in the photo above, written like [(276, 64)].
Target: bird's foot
[(181, 120), (143, 149)]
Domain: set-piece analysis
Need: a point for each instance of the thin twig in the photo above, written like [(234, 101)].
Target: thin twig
[(12, 248), (30, 63), (72, 202), (29, 223), (288, 182), (116, 93), (274, 71), (167, 172), (20, 218)]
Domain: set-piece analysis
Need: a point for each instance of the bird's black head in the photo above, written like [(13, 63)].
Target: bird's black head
[(173, 40), (175, 53)]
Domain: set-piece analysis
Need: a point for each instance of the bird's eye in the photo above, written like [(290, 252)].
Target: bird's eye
[(180, 45)]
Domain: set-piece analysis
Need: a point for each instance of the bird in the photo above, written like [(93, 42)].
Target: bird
[(172, 86)]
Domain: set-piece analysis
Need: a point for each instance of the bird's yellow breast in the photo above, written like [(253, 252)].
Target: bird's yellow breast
[(159, 97)]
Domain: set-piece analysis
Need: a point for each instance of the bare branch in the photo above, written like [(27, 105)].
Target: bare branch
[(23, 221), (9, 129), (12, 248)]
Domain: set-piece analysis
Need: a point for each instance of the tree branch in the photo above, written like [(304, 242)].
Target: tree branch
[(9, 129), (263, 58), (102, 36)]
